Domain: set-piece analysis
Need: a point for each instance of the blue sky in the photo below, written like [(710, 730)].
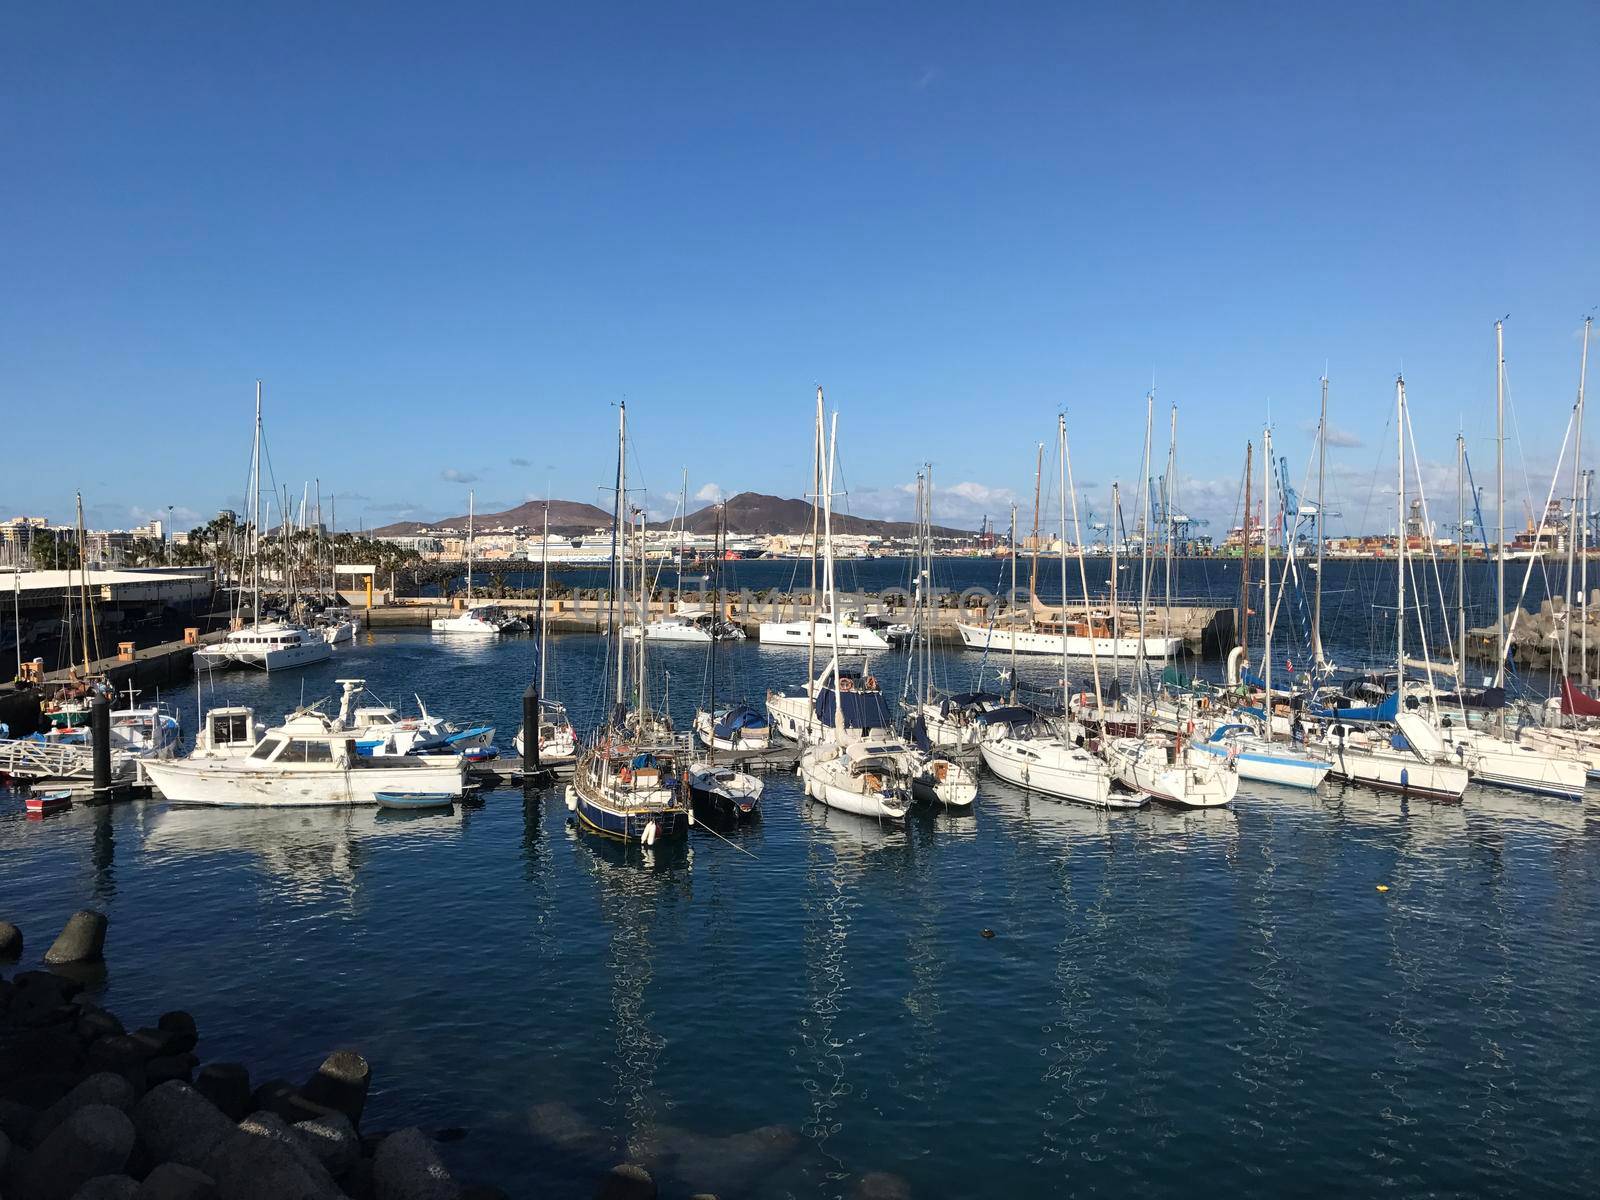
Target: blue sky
[(449, 239)]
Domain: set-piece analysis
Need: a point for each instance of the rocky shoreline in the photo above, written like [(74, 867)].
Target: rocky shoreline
[(90, 1110)]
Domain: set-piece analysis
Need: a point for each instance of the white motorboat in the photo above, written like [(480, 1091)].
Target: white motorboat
[(306, 761), (275, 646), (381, 730), (846, 636), (863, 776), (1171, 770), (697, 625), (481, 620)]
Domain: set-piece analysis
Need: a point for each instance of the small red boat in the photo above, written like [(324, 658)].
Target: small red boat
[(41, 803)]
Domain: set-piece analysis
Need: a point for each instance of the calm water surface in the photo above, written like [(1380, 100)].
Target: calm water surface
[(1171, 1003)]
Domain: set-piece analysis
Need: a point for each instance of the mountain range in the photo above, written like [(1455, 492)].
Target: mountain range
[(748, 513)]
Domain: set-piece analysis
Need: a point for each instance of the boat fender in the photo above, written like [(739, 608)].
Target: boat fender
[(1191, 726), (649, 838), (690, 816), (572, 800)]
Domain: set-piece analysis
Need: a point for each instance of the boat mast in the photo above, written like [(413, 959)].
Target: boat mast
[(1322, 462), (255, 518), (816, 501), (827, 566), (1144, 559), (1244, 586), (1500, 500), (1577, 486), (716, 620), (683, 530), (1033, 575), (1013, 605), (1166, 532), (1461, 562), (1116, 612), (83, 586), (619, 548), (1401, 540), (544, 589), (1266, 576), (1068, 485), (470, 498)]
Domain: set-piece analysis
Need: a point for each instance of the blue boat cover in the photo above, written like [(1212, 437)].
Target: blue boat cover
[(1379, 712), (965, 700), (861, 710), (742, 717), (1252, 678), (1223, 731), (919, 734)]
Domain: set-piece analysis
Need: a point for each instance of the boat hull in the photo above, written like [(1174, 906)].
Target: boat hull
[(829, 781), (234, 783), (1063, 773), (1265, 766), (1399, 773), (851, 639)]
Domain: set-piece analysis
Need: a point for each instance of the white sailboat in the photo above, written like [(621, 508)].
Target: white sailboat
[(1416, 762), (275, 645), (475, 620), (1052, 760), (558, 741)]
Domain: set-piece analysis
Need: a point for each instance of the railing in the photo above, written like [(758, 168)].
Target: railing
[(24, 758)]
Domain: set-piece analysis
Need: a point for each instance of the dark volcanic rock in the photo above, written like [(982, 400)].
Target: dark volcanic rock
[(10, 942), (95, 1140), (282, 1098), (16, 1119), (173, 1181), (407, 1167), (483, 1191), (264, 1160), (627, 1181), (333, 1140), (178, 1124), (94, 1023), (181, 1025), (341, 1083), (158, 1043), (102, 1088), (227, 1085), (169, 1067), (120, 1055), (880, 1185), (41, 998), (83, 940), (108, 1187)]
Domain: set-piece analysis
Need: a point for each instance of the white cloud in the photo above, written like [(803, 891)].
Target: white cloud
[(709, 494), (452, 475)]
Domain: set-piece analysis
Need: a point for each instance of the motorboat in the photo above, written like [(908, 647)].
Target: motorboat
[(698, 625), (480, 620), (306, 761), (381, 730), (275, 646), (847, 635)]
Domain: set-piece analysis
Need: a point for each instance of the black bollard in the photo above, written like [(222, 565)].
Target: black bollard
[(530, 730), (100, 741)]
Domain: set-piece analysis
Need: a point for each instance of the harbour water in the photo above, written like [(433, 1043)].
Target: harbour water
[(1169, 1002)]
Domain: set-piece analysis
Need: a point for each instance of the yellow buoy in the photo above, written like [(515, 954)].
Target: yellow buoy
[(1383, 887)]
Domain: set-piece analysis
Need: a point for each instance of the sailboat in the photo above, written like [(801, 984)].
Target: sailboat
[(627, 783), (1052, 759), (1414, 761), (1489, 755), (1164, 766), (273, 645), (558, 742), (844, 767), (722, 789), (1258, 756), (475, 620)]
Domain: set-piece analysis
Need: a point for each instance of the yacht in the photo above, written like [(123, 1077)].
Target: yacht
[(1413, 761), (1286, 763), (306, 761), (481, 620), (276, 646), (697, 625), (866, 777), (1034, 754), (804, 712), (1082, 637), (848, 635)]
